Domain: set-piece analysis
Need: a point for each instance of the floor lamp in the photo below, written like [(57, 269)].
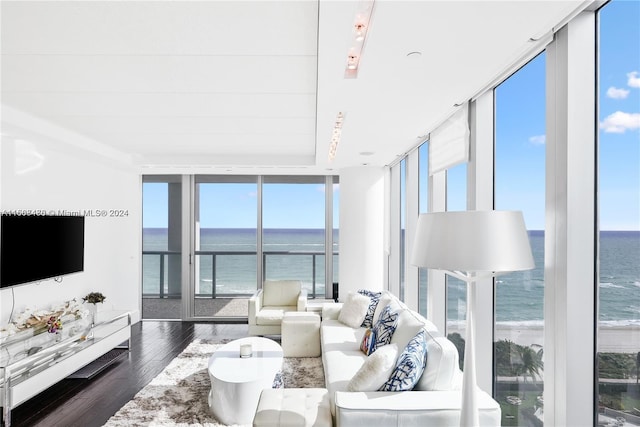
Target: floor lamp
[(472, 246)]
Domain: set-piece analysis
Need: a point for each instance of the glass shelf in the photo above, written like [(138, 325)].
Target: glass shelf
[(24, 355)]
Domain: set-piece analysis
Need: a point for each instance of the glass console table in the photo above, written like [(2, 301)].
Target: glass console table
[(31, 363)]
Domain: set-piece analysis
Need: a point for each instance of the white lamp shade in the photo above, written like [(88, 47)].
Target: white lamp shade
[(495, 241)]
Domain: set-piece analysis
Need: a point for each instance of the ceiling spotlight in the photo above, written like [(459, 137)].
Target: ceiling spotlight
[(352, 62), (361, 24), (360, 31)]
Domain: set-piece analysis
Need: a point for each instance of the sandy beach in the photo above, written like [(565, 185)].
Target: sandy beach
[(612, 338)]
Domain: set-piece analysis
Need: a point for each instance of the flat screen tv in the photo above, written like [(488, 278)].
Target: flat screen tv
[(36, 247)]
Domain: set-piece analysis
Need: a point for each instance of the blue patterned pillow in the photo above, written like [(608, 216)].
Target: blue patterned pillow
[(375, 297), (410, 365), (385, 327)]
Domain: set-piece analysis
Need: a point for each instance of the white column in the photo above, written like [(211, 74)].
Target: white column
[(361, 229), (393, 255), (570, 226)]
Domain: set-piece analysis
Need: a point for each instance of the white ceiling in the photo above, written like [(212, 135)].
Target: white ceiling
[(233, 86)]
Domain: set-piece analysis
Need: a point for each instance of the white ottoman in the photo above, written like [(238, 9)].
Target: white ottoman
[(293, 407), (300, 334)]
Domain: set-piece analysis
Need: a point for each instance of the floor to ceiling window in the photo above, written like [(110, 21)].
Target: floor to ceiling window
[(161, 247), (423, 206), (619, 214), (293, 234), (335, 237), (225, 244), (403, 226), (519, 297), (456, 288), (243, 230)]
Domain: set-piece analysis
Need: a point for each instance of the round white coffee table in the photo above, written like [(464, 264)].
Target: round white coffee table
[(236, 383)]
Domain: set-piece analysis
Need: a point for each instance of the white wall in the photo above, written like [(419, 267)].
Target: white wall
[(362, 252), (45, 172)]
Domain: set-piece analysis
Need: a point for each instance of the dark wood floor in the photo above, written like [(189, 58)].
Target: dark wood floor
[(87, 403)]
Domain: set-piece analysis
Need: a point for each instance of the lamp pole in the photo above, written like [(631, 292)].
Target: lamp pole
[(469, 413)]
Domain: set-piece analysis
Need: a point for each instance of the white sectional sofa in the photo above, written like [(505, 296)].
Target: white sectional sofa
[(434, 401)]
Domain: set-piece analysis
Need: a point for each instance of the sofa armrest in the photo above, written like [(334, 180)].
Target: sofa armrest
[(255, 305), (302, 300), (331, 310)]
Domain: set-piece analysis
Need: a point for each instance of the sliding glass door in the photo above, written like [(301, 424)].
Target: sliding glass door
[(225, 237), (209, 241), (161, 247)]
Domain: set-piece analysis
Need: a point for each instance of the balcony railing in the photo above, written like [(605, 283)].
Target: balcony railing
[(155, 269)]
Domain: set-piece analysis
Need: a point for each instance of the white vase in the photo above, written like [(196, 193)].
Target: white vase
[(93, 312)]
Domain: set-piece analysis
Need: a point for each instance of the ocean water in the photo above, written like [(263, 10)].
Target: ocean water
[(297, 253), (290, 254)]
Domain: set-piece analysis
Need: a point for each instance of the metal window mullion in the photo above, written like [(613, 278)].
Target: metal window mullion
[(259, 251), (328, 238), (187, 250)]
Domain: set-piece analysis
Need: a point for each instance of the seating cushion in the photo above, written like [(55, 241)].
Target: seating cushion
[(336, 336), (301, 334), (375, 371), (272, 315), (280, 292), (409, 323), (289, 407), (441, 371)]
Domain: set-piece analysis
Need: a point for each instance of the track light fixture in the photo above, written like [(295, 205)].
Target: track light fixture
[(336, 134), (361, 25)]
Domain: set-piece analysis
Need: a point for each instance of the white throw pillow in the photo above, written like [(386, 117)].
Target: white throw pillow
[(354, 310), (375, 371)]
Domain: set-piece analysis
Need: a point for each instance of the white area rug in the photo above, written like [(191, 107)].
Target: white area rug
[(178, 395)]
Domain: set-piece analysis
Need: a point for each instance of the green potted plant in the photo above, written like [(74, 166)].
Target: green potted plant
[(92, 299)]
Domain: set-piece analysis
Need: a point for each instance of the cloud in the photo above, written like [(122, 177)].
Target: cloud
[(619, 122), (615, 93), (538, 139), (633, 79)]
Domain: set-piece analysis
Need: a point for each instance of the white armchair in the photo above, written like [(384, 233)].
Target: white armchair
[(268, 305)]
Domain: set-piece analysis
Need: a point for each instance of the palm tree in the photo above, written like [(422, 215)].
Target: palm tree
[(531, 362)]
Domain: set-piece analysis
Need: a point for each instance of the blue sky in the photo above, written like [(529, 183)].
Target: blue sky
[(235, 205), (520, 156), (620, 115)]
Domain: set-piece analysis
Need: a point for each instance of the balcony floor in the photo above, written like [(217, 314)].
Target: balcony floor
[(215, 308)]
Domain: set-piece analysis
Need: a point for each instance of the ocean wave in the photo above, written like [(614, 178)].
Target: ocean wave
[(618, 323), (524, 324), (636, 283), (520, 323), (608, 285)]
